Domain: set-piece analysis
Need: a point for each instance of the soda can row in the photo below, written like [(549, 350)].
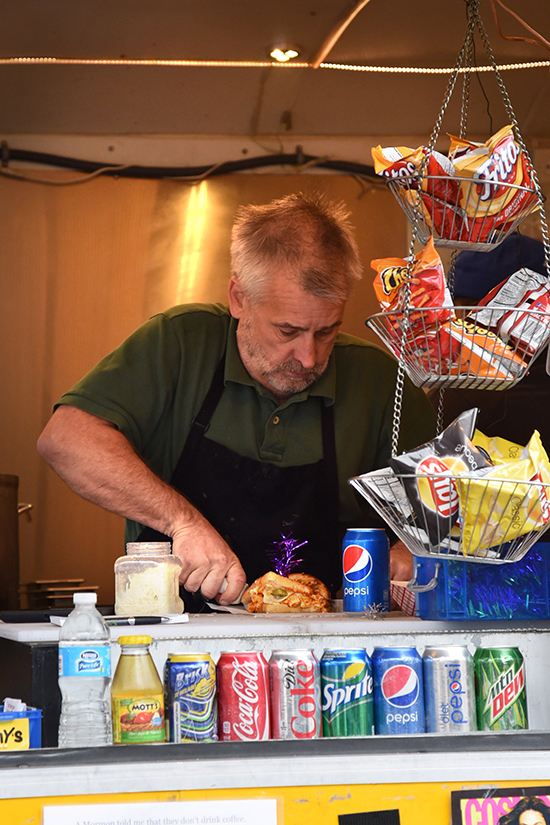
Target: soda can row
[(348, 693)]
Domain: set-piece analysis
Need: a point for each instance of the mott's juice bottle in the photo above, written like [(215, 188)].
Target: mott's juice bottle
[(346, 686), (137, 695), (500, 689)]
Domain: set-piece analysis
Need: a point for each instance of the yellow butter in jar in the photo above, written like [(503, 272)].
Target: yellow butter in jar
[(147, 580)]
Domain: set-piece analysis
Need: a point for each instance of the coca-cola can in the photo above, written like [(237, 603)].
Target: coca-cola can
[(295, 694), (243, 696)]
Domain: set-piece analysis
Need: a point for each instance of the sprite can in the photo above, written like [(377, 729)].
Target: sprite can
[(346, 687), (500, 689)]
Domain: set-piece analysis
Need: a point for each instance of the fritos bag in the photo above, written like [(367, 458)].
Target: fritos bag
[(501, 503), (490, 202), (433, 469)]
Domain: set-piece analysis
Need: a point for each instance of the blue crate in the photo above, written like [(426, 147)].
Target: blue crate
[(34, 716), (475, 591)]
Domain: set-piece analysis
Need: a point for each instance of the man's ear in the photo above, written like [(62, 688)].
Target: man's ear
[(237, 297)]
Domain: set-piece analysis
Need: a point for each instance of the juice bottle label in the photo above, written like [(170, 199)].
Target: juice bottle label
[(84, 661), (138, 719)]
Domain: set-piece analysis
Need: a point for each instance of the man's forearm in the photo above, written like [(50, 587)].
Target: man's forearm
[(100, 464)]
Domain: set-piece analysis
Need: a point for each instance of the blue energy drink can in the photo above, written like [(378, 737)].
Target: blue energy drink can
[(190, 698), (366, 569), (398, 690)]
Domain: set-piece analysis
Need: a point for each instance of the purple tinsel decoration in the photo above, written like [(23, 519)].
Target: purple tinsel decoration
[(283, 557)]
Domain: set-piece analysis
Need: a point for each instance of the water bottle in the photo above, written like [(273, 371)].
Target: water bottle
[(85, 677)]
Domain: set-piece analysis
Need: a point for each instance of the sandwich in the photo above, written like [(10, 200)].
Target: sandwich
[(297, 593)]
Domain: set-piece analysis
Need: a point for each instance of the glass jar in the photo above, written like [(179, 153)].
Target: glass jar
[(147, 580), (137, 695)]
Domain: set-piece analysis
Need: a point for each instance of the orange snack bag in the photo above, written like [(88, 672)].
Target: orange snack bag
[(427, 286), (493, 167)]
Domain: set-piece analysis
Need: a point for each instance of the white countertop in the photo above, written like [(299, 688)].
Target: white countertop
[(230, 625)]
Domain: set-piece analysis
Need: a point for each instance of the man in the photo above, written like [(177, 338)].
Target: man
[(225, 429), (513, 413)]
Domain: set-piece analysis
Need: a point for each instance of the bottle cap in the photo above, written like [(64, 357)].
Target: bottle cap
[(84, 598), (134, 640)]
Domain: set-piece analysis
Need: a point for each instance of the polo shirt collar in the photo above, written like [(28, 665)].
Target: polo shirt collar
[(235, 371)]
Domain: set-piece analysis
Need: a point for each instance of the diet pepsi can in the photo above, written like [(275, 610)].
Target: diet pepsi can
[(449, 691), (398, 690), (366, 569), (295, 690)]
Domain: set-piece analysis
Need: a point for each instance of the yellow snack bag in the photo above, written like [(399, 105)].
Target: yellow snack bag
[(500, 503), (499, 450)]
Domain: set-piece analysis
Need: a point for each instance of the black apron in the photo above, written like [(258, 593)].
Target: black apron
[(253, 504)]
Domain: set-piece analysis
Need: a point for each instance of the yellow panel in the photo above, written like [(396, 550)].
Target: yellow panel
[(418, 804)]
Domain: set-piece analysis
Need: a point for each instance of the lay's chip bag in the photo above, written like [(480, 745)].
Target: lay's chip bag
[(430, 473), (506, 501)]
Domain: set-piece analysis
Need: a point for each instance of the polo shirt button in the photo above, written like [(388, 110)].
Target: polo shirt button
[(276, 419)]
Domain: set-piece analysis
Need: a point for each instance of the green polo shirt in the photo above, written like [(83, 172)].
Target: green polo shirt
[(152, 386)]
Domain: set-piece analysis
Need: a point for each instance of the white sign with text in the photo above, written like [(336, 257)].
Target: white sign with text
[(204, 812)]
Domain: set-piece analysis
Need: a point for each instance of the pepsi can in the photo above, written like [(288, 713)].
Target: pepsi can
[(366, 569), (449, 691), (398, 690)]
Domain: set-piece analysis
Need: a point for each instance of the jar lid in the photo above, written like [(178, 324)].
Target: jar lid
[(134, 640), (144, 548)]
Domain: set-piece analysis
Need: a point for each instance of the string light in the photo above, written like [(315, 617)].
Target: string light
[(255, 64)]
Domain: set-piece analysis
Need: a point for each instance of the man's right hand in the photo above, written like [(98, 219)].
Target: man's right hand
[(207, 560), (98, 462)]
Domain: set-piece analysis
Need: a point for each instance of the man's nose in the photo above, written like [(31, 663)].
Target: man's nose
[(305, 351)]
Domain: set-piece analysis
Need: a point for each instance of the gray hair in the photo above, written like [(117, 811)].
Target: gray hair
[(305, 236)]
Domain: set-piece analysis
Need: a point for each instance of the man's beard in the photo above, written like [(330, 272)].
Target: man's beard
[(275, 378)]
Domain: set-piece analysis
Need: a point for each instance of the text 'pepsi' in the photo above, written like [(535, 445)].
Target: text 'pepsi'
[(366, 570), (398, 690), (449, 690)]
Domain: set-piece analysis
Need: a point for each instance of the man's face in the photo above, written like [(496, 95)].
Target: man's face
[(286, 339)]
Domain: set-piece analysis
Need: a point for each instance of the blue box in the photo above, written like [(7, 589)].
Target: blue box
[(9, 738), (477, 591)]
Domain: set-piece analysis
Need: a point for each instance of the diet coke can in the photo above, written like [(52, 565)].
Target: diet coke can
[(243, 696), (295, 694)]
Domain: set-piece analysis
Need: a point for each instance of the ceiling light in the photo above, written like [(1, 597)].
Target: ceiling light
[(282, 54)]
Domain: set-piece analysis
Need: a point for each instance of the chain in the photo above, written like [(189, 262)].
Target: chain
[(465, 59), (517, 134)]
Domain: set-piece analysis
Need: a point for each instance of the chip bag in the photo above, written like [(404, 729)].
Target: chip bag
[(527, 325), (471, 350), (501, 503), (499, 450), (428, 288), (400, 161), (431, 471), (497, 168)]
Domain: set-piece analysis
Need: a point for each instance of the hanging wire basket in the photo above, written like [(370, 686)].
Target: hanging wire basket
[(464, 518), (437, 349), (463, 213)]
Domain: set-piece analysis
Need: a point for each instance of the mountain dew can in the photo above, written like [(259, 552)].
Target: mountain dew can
[(500, 689), (346, 686)]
